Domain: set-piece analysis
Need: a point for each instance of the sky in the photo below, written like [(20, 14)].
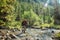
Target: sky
[(46, 4), (59, 1)]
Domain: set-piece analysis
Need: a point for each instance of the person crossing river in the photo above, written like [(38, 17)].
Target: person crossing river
[(24, 25)]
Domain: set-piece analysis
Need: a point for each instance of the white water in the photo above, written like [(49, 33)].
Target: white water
[(40, 34)]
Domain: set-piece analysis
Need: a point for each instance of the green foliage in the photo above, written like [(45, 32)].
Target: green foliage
[(7, 13), (31, 16), (57, 35), (14, 24), (32, 10)]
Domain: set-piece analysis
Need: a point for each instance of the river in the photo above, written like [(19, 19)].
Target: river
[(38, 34)]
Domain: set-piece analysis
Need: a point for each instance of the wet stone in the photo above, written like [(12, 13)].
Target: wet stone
[(37, 39)]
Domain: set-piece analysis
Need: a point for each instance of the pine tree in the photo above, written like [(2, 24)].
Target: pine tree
[(7, 12)]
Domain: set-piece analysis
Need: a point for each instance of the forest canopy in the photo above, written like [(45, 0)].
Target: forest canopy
[(42, 13)]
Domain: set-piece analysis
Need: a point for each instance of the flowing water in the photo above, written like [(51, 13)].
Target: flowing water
[(38, 34)]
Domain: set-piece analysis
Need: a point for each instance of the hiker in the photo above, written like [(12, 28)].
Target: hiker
[(24, 25)]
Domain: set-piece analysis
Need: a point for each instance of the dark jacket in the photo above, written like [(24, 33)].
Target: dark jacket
[(24, 23)]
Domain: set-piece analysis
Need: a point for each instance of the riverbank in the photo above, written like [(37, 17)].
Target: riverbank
[(33, 34)]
